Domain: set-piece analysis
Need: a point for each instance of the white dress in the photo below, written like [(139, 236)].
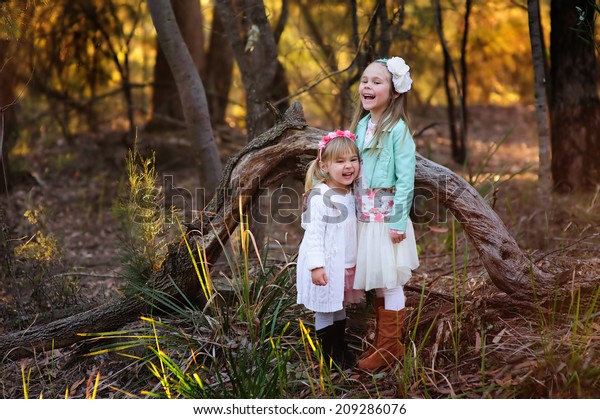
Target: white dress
[(381, 263), (330, 242)]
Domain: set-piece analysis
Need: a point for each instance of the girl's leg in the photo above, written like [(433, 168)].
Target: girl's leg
[(325, 332), (339, 315), (390, 323), (377, 303), (394, 298), (323, 320), (341, 354), (331, 331)]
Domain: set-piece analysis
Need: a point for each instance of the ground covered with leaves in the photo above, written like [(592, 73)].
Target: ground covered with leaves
[(463, 336)]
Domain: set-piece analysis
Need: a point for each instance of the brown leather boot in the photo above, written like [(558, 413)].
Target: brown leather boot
[(377, 304), (388, 348)]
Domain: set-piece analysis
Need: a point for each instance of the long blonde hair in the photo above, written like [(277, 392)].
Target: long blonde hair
[(395, 111), (340, 146)]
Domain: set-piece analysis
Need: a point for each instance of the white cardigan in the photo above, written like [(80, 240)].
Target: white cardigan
[(327, 216)]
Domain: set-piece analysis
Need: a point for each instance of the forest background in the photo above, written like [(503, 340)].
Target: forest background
[(92, 114)]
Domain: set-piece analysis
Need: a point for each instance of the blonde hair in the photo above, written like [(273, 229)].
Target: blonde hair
[(340, 146), (395, 111)]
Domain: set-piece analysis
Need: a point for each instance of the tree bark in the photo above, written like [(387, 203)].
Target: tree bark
[(255, 51), (457, 125), (506, 264), (541, 101), (574, 104), (219, 71), (166, 105), (284, 150), (192, 94), (8, 111)]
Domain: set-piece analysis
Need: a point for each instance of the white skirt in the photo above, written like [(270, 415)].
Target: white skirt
[(381, 263)]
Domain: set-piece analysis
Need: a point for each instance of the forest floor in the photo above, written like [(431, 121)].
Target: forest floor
[(73, 186)]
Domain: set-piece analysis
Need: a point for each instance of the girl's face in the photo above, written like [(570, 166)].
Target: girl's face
[(342, 171), (375, 90)]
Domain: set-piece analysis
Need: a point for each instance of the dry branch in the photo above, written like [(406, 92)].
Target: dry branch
[(283, 150), (508, 267)]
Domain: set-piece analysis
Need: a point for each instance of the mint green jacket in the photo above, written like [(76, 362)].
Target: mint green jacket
[(390, 165)]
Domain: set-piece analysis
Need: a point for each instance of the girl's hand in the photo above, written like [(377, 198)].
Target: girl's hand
[(397, 236), (319, 277)]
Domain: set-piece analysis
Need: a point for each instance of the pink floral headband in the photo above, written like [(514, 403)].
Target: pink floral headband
[(333, 135)]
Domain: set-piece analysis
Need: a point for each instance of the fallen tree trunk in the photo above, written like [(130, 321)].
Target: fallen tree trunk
[(285, 149), (506, 264)]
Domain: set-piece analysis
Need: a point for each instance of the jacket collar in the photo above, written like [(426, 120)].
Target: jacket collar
[(363, 123), (361, 130)]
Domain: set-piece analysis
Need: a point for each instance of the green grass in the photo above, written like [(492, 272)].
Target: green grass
[(247, 341)]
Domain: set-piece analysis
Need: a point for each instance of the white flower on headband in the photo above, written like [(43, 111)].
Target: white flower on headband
[(400, 74)]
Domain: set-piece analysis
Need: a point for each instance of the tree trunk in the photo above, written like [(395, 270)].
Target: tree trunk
[(286, 150), (219, 71), (8, 114), (255, 51), (464, 80), (166, 105), (191, 92), (457, 125), (574, 104), (541, 101), (508, 267)]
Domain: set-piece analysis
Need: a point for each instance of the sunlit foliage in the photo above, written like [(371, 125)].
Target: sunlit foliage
[(78, 58)]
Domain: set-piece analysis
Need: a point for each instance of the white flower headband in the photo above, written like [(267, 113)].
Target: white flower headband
[(400, 73), (333, 135)]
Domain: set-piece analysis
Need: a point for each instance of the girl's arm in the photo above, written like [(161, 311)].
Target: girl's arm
[(404, 164), (313, 221)]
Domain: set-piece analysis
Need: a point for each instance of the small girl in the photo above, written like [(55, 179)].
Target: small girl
[(327, 255), (387, 250)]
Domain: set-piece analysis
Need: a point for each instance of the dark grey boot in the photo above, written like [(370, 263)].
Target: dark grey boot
[(327, 338), (342, 355)]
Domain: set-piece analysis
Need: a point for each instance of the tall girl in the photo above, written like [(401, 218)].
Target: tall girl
[(327, 255), (387, 251)]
